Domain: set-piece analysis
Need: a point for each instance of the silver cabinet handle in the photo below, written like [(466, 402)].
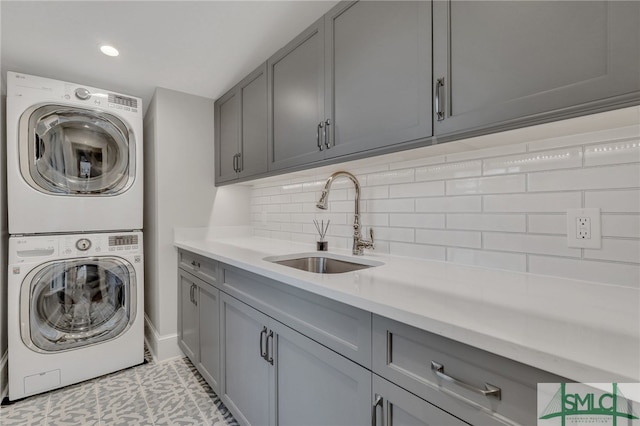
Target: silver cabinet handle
[(195, 299), (239, 162), (235, 163), (374, 410), (439, 110), (191, 293), (195, 264), (270, 353), (488, 391), (263, 334), (327, 135), (320, 129)]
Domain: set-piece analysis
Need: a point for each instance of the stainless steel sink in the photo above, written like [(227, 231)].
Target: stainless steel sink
[(322, 263)]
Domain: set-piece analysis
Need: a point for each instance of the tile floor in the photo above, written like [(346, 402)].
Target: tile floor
[(167, 393)]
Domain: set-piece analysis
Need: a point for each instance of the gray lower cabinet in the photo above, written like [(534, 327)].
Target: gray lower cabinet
[(188, 331), (275, 375), (199, 324), (241, 129), (474, 385), (501, 65), (279, 355), (394, 406)]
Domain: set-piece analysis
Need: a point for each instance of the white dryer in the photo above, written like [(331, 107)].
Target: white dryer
[(75, 308), (74, 157)]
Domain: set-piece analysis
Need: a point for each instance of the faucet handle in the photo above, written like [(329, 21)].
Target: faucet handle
[(372, 246)]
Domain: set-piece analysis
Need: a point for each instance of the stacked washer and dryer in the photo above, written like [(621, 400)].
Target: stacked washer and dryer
[(75, 275)]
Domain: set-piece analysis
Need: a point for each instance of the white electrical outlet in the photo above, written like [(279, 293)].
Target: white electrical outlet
[(583, 228)]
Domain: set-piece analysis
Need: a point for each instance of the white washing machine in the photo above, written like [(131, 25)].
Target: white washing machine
[(74, 157), (75, 308)]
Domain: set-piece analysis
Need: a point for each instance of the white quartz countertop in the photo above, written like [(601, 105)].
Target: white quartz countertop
[(587, 332)]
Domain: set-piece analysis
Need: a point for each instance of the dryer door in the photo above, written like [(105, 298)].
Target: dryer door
[(67, 304), (75, 151)]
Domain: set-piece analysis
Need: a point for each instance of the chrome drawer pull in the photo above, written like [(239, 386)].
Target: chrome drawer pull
[(488, 391), (374, 413)]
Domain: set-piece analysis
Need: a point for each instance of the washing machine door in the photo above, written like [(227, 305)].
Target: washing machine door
[(68, 304), (76, 151)]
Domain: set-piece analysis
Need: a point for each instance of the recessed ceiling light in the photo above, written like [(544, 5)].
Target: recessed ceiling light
[(109, 50)]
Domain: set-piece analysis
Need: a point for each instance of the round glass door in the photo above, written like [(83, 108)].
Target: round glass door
[(77, 302), (76, 151)]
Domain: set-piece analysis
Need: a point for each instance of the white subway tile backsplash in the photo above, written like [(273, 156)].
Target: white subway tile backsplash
[(449, 204), (389, 177), (392, 234), (487, 152), (489, 259), (612, 153), (587, 138), (486, 185), (373, 219), (622, 176), (547, 224), (534, 161), (487, 222), (617, 225), (482, 201), (419, 251), (627, 250), (401, 205), (417, 162), (527, 243), (449, 171), (614, 201), (449, 238), (419, 189), (598, 271), (417, 220), (371, 193), (534, 203)]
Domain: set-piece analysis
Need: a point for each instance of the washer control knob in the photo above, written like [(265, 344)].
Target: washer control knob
[(83, 244), (82, 93)]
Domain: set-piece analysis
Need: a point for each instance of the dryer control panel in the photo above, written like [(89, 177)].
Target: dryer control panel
[(26, 249)]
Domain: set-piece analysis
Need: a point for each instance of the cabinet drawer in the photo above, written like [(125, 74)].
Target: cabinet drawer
[(200, 266), (340, 327), (404, 355)]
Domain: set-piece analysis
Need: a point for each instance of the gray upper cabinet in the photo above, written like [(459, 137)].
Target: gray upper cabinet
[(356, 80), (296, 100), (500, 65), (241, 128), (378, 75)]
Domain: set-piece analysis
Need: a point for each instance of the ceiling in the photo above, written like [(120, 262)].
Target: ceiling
[(197, 47)]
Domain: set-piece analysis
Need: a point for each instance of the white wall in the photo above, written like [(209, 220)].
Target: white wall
[(3, 240), (499, 206), (179, 193)]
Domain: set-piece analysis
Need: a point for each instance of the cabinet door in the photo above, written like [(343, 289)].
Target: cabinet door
[(253, 137), (394, 406), (296, 100), (188, 316), (316, 386), (518, 63), (209, 325), (227, 134), (378, 74), (245, 380)]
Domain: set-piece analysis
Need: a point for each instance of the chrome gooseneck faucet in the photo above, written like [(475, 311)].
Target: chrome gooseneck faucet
[(358, 243)]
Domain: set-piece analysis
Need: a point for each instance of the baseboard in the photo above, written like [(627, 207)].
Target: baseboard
[(161, 347), (4, 375)]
